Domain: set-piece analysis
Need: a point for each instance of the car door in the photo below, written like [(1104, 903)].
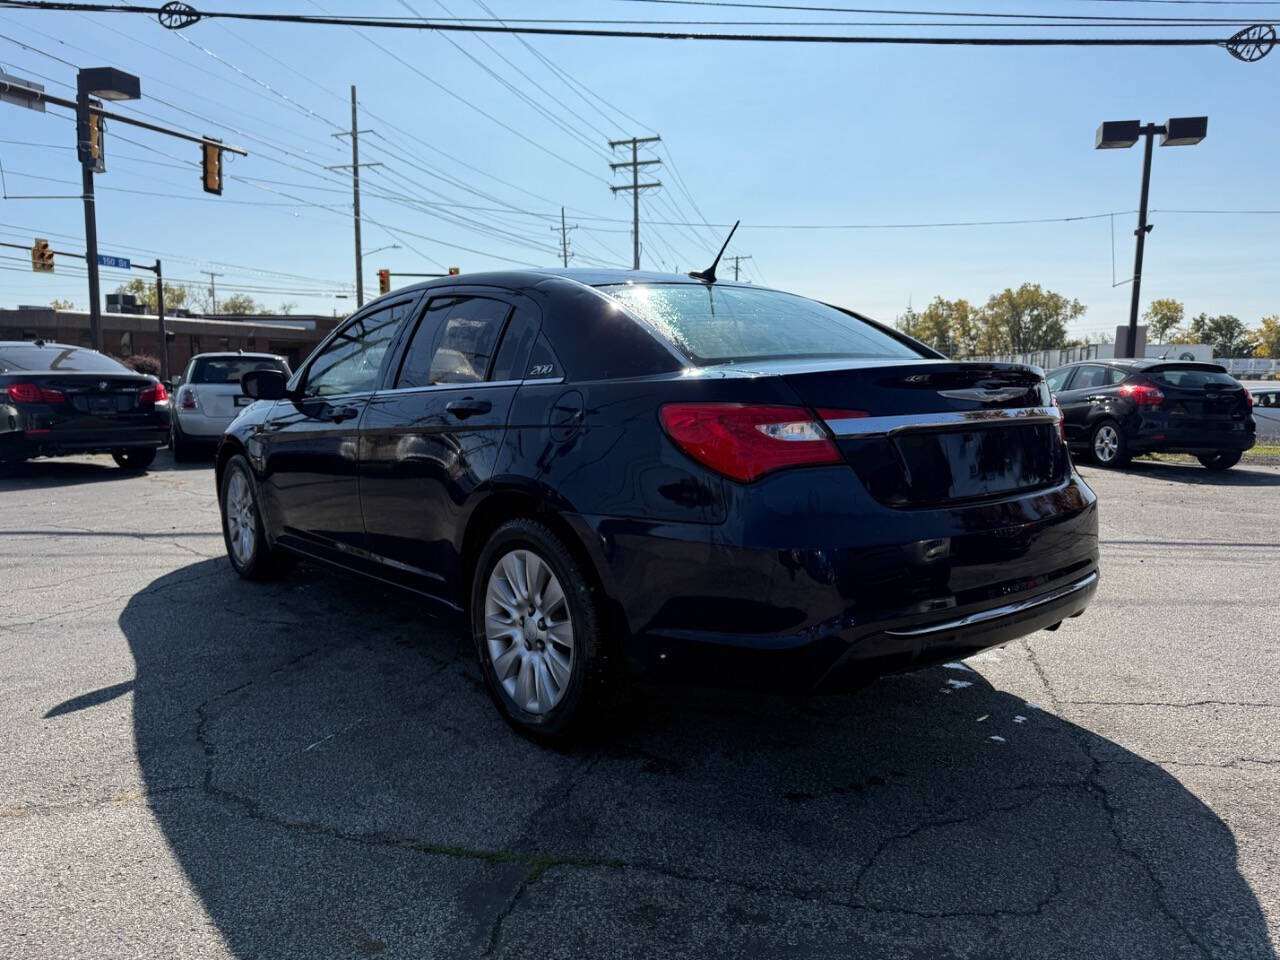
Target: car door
[(310, 440), (1074, 399), (431, 438)]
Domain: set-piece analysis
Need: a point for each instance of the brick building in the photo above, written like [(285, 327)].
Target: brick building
[(293, 337)]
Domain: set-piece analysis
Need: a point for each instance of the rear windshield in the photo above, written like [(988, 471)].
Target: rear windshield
[(229, 369), (59, 358), (1192, 377), (712, 324)]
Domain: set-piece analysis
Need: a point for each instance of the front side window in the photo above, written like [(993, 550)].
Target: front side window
[(1057, 380), (711, 324), (455, 342), (351, 360)]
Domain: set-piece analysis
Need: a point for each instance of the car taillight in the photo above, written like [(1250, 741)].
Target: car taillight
[(33, 393), (155, 394), (1062, 429), (746, 441), (188, 400), (1143, 394), (1248, 398)]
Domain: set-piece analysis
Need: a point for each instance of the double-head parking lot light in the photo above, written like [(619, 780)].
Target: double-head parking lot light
[(1121, 134)]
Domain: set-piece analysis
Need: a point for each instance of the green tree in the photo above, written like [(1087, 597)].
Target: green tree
[(239, 305), (946, 325), (1227, 334), (59, 304), (1163, 317), (1267, 337), (175, 294), (1026, 319)]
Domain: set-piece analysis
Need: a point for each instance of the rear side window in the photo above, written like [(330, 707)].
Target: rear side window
[(229, 369), (59, 358), (711, 324), (1090, 375), (455, 342), (1192, 377)]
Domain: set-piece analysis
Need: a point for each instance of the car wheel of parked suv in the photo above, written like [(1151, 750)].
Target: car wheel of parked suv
[(1108, 445), (247, 548), (537, 631), (1222, 460), (134, 459)]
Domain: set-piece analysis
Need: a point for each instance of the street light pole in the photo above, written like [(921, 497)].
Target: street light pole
[(1122, 134)]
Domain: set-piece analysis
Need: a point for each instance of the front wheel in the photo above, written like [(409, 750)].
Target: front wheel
[(1222, 460), (242, 530), (537, 631), (1108, 446), (134, 459)]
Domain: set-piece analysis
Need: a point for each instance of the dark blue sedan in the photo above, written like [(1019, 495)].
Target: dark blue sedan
[(609, 473)]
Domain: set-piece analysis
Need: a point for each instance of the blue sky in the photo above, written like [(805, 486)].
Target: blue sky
[(772, 134)]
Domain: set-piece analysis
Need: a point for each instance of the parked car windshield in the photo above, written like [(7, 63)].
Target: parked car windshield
[(229, 369), (59, 358), (727, 324), (1192, 377)]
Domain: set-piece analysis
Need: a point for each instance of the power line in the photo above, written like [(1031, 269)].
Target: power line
[(441, 27)]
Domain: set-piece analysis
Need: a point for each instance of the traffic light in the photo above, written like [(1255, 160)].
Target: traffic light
[(211, 167), (97, 132), (454, 271), (384, 281), (41, 256)]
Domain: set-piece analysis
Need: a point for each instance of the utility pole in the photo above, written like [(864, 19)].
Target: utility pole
[(736, 261), (635, 186), (354, 166), (564, 238), (213, 289)]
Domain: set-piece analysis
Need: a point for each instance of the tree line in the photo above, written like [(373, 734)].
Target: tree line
[(1031, 318), (193, 297)]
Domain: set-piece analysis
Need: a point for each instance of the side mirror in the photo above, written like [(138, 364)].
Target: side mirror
[(263, 384)]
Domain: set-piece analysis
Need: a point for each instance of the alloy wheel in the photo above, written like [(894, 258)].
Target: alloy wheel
[(1106, 443), (242, 525), (528, 631)]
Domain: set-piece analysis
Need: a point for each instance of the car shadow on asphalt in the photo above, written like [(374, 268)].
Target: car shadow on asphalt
[(327, 769), (56, 472), (1241, 475)]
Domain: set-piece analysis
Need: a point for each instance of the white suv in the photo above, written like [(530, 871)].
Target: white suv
[(207, 397)]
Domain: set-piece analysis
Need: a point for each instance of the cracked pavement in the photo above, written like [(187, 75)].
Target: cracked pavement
[(196, 766)]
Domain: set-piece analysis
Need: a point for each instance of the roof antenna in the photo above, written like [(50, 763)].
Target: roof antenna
[(709, 274)]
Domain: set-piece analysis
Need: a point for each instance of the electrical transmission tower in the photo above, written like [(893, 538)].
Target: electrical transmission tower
[(635, 186)]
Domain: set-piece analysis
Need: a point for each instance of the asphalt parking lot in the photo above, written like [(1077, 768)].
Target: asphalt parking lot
[(195, 766)]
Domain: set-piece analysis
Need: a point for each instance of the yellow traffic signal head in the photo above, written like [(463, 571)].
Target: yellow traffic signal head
[(97, 132), (41, 256), (384, 281), (211, 166), (454, 271)]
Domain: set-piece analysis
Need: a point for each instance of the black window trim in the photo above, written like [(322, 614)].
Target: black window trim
[(299, 380), (514, 301)]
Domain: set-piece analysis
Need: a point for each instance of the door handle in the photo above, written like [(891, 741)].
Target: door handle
[(467, 407), (343, 413)]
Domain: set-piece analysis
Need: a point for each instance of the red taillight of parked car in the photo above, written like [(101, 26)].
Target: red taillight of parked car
[(1143, 394), (155, 394), (746, 441), (1062, 423), (33, 393), (187, 399), (1248, 398)]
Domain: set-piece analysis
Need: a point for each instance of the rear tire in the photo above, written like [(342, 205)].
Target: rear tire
[(178, 446), (1107, 444), (242, 529), (134, 459), (1222, 460), (537, 627)]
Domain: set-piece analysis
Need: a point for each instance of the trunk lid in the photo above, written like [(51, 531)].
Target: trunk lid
[(935, 432), (1197, 392), (224, 400)]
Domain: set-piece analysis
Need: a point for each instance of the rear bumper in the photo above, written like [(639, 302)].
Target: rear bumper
[(1160, 434), (21, 445), (834, 596), (195, 425)]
